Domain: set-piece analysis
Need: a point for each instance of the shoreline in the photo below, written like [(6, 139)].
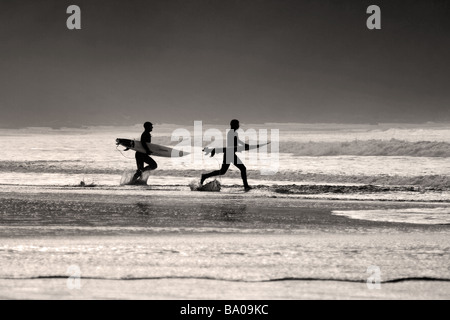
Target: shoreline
[(143, 210), (192, 289)]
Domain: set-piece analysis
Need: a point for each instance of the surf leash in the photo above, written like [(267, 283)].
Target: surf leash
[(117, 148)]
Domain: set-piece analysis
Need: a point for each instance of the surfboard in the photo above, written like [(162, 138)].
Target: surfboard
[(158, 150), (208, 150)]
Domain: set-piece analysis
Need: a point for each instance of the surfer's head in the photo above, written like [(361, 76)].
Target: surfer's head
[(148, 126), (234, 124)]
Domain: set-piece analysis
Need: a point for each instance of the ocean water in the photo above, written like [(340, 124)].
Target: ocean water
[(345, 198), (388, 162), (405, 162), (319, 153)]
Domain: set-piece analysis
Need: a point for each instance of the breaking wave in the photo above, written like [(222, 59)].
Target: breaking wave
[(391, 147)]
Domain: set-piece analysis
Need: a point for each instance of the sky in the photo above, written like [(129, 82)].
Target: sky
[(177, 61)]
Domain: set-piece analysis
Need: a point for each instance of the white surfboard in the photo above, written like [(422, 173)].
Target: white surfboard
[(240, 148), (156, 149)]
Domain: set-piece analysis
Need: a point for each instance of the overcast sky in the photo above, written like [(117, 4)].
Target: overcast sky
[(176, 61)]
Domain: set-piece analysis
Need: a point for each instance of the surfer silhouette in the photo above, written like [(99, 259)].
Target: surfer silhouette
[(142, 158), (229, 156)]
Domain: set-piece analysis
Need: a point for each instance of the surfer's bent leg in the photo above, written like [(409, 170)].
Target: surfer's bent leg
[(220, 172), (152, 165), (141, 159)]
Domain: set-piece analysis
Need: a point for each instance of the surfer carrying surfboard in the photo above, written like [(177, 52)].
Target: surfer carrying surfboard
[(229, 156), (142, 158)]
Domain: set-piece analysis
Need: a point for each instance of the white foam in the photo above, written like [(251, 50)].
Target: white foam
[(430, 216)]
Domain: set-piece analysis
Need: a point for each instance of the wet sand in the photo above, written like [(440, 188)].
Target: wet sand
[(274, 246), (155, 207), (193, 289)]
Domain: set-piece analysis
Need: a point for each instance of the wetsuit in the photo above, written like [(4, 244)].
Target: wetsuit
[(229, 156), (142, 158)]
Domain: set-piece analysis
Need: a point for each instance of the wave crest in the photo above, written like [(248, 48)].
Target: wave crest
[(391, 147)]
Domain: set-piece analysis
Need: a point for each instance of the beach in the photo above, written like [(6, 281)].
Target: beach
[(224, 150), (182, 289), (353, 212), (227, 245)]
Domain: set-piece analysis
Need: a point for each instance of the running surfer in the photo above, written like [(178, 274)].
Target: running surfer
[(142, 158), (229, 156)]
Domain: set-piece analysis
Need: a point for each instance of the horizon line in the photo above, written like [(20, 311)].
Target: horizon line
[(225, 124)]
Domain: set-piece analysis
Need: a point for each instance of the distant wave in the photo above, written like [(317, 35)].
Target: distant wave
[(392, 147)]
